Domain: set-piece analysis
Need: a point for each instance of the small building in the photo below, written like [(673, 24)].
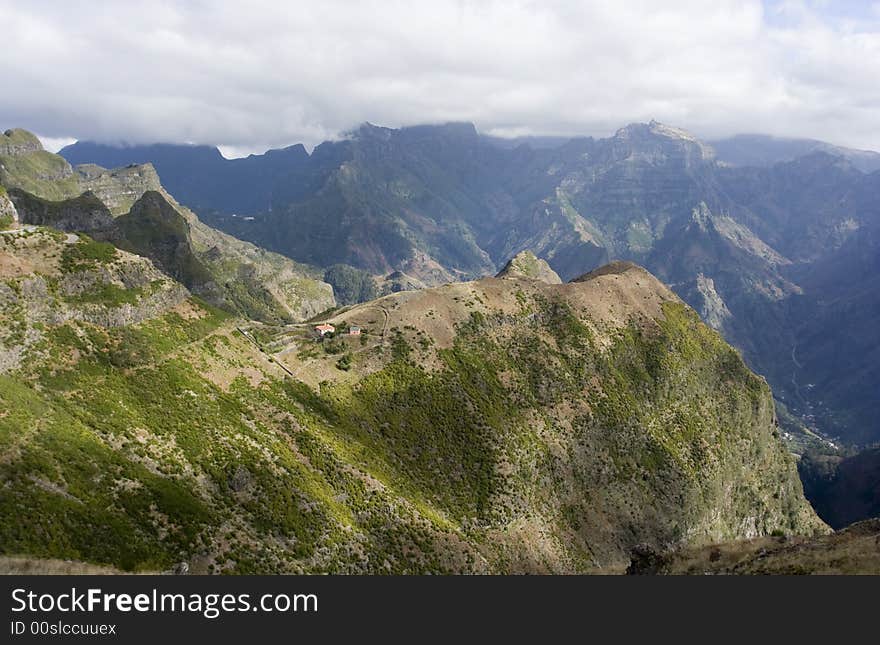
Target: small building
[(324, 329), (354, 330)]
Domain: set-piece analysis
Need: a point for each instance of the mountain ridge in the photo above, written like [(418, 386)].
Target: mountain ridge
[(242, 447), (114, 206), (441, 203)]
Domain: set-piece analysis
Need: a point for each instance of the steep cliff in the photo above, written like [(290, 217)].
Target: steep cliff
[(129, 207), (8, 213)]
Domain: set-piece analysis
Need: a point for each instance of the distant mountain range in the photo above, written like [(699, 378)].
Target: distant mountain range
[(773, 241), (764, 150)]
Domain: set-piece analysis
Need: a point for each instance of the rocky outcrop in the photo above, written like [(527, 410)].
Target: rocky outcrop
[(48, 279), (8, 212), (526, 265), (119, 188), (16, 142), (400, 281), (618, 267), (657, 141), (85, 213), (227, 272), (713, 310)]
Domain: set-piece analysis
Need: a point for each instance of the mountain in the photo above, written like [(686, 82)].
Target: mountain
[(749, 247), (765, 150), (199, 176), (130, 208), (502, 425)]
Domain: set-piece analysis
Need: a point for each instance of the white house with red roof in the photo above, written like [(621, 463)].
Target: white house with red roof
[(325, 328)]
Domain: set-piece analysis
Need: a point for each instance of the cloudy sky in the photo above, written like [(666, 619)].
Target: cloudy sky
[(253, 75)]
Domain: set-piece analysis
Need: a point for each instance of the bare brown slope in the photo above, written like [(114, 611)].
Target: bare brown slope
[(648, 426), (850, 551), (609, 298)]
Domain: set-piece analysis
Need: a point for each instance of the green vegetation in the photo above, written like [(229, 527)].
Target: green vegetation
[(6, 218), (249, 298), (100, 425), (40, 173), (24, 164), (350, 285), (108, 294), (144, 445), (85, 254), (153, 228), (344, 363)]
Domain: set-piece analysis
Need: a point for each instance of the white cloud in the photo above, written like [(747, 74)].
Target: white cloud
[(54, 144), (252, 75)]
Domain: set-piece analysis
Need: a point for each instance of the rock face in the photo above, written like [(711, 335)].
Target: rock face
[(48, 279), (85, 213), (526, 265), (713, 311), (24, 164), (120, 188), (8, 213), (130, 208)]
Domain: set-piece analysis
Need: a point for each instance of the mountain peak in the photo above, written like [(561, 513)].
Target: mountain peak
[(654, 132), (617, 267), (526, 264), (17, 142), (370, 130), (654, 128)]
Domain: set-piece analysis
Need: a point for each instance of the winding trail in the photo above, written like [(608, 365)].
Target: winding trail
[(385, 325)]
